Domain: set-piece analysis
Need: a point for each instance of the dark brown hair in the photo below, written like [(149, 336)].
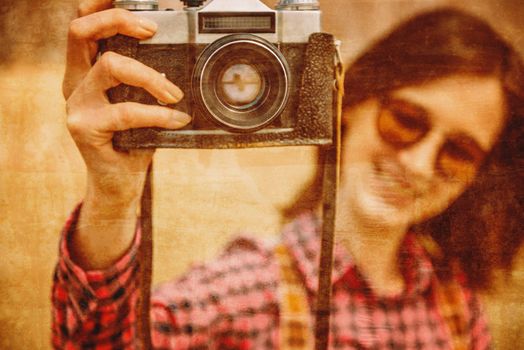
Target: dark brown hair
[(482, 229)]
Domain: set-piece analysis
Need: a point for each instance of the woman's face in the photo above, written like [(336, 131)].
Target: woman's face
[(408, 155)]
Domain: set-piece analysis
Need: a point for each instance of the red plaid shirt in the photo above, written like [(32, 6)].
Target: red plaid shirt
[(231, 303)]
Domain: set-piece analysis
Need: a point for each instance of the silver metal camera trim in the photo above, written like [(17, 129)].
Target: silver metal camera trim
[(298, 5), (283, 65), (137, 5), (181, 26)]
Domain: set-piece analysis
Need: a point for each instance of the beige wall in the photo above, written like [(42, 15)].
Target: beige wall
[(202, 197)]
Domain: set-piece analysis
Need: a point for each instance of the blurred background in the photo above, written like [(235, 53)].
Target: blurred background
[(202, 198)]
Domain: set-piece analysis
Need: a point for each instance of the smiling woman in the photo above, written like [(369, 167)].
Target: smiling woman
[(434, 112), (406, 159), (431, 112)]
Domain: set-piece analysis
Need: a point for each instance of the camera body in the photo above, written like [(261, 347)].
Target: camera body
[(251, 76)]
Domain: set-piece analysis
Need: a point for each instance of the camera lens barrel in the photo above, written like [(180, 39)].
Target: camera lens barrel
[(241, 82), (137, 5)]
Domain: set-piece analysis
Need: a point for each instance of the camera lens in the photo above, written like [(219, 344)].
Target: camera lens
[(241, 82), (240, 86)]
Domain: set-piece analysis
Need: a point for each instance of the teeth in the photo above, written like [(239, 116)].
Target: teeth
[(389, 175)]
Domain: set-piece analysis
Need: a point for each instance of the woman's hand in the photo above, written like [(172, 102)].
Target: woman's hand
[(91, 119), (115, 179)]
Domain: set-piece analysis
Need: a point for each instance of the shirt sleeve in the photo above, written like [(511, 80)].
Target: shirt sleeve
[(207, 307), (94, 309)]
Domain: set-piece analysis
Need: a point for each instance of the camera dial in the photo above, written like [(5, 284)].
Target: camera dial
[(193, 3), (298, 5), (137, 5)]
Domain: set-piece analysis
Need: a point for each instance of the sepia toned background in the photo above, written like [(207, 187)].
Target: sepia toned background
[(202, 198)]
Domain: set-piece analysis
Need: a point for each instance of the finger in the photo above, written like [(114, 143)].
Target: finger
[(131, 115), (87, 7), (84, 33), (108, 23), (112, 69)]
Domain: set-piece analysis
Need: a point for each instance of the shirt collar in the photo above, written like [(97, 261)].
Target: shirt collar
[(302, 238)]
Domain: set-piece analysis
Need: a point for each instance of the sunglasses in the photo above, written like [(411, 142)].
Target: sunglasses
[(402, 124)]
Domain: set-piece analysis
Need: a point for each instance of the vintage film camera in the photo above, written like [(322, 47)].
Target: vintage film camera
[(252, 76)]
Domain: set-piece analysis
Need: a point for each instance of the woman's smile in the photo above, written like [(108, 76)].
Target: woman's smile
[(390, 182)]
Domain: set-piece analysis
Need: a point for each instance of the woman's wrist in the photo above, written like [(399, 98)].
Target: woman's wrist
[(118, 191), (103, 234), (99, 206), (105, 228)]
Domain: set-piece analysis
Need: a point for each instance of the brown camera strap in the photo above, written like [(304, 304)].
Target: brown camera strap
[(450, 300), (145, 256), (451, 303), (331, 157), (295, 331)]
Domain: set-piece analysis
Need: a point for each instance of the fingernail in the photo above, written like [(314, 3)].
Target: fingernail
[(174, 92), (148, 25), (179, 119)]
